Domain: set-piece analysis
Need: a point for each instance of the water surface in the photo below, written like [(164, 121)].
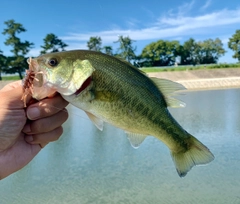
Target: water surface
[(89, 166)]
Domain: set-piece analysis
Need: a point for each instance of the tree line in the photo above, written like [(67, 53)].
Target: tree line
[(17, 63), (159, 53)]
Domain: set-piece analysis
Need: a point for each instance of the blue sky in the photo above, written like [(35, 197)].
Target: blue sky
[(74, 21)]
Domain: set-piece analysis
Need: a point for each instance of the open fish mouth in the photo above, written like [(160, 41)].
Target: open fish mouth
[(33, 83), (32, 78)]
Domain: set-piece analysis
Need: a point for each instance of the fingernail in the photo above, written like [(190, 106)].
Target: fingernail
[(27, 129), (29, 138), (33, 113)]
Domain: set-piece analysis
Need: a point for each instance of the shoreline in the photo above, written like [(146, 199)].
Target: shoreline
[(196, 79), (212, 83), (216, 83), (203, 79)]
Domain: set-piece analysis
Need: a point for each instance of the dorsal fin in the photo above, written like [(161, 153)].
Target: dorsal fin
[(168, 89)]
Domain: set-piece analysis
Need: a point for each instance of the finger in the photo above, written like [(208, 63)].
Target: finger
[(47, 124), (12, 94), (44, 138), (46, 107)]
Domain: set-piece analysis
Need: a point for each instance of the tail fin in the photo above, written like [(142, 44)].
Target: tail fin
[(197, 154)]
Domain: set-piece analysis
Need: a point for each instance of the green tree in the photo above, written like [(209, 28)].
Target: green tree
[(52, 44), (189, 52), (94, 43), (17, 62), (234, 44), (210, 50), (2, 63), (160, 53), (107, 50), (202, 52), (126, 49)]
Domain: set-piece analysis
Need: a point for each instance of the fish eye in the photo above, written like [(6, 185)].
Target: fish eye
[(53, 62)]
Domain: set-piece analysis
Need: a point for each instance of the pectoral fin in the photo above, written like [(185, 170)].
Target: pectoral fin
[(96, 121), (135, 139)]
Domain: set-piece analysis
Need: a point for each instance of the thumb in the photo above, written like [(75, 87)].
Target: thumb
[(11, 96), (11, 86)]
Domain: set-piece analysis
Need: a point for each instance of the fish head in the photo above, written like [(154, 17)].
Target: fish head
[(62, 72)]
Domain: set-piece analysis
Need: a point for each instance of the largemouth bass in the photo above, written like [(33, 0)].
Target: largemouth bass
[(111, 90)]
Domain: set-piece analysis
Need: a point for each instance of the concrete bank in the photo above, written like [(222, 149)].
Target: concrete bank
[(204, 79)]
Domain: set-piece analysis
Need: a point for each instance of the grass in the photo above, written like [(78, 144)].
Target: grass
[(5, 78), (184, 68)]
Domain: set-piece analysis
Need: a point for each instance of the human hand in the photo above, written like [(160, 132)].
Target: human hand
[(23, 132)]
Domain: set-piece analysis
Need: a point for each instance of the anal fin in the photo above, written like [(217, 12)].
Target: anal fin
[(135, 139)]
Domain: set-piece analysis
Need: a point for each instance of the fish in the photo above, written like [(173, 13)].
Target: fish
[(112, 90)]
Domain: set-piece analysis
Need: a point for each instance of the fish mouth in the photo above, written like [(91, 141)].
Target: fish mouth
[(34, 83), (85, 84)]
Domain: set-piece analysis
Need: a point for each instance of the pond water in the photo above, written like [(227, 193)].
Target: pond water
[(89, 166)]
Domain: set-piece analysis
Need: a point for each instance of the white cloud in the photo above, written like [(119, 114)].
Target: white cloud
[(167, 27), (76, 46), (206, 5), (132, 23), (34, 52), (185, 8), (181, 10), (225, 40), (71, 46), (223, 17)]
